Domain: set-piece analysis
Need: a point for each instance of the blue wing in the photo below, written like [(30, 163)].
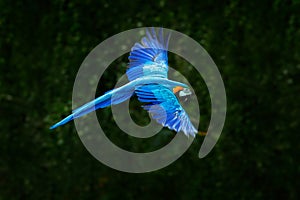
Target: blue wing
[(150, 56), (165, 108)]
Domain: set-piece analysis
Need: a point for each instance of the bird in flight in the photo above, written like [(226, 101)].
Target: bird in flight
[(147, 73)]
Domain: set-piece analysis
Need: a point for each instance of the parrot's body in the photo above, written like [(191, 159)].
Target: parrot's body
[(148, 76)]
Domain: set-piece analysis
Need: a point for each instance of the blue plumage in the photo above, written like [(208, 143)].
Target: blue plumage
[(165, 108), (148, 75), (150, 57)]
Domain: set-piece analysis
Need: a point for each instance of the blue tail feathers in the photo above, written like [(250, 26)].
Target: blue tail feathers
[(109, 98)]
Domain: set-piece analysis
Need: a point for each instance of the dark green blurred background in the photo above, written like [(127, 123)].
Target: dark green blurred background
[(256, 46)]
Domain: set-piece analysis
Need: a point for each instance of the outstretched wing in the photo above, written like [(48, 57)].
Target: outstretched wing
[(165, 108), (150, 56)]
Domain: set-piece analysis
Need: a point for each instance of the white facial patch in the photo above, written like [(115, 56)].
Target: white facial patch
[(185, 92)]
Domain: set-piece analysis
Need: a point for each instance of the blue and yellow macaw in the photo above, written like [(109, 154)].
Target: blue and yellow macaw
[(148, 79)]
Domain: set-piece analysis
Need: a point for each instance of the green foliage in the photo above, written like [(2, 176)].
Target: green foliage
[(256, 46)]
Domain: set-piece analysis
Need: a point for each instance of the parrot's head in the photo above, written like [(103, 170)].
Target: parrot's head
[(183, 92)]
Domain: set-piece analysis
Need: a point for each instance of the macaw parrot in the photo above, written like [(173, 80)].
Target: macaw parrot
[(147, 73)]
